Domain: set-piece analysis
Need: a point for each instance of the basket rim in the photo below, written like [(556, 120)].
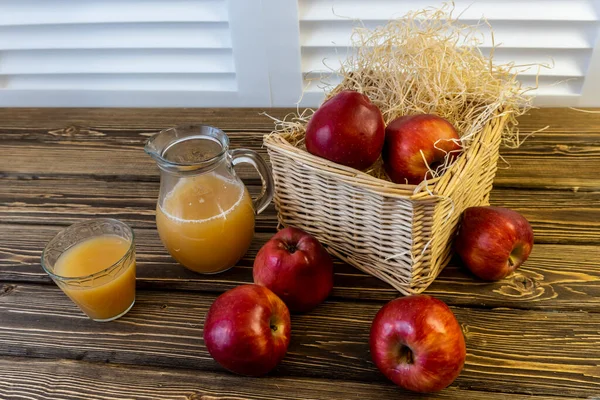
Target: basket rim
[(275, 141)]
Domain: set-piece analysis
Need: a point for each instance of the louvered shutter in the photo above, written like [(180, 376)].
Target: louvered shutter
[(131, 53), (561, 33), (211, 53)]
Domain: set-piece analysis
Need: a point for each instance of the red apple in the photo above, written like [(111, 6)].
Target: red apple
[(247, 330), (296, 267), (417, 343), (347, 129), (493, 241), (406, 137)]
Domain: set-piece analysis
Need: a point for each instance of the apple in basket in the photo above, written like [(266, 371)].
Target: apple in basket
[(247, 330), (296, 267), (347, 129), (417, 343), (493, 241), (416, 143)]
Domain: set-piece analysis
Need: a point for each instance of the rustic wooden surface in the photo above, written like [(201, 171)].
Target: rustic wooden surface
[(535, 334)]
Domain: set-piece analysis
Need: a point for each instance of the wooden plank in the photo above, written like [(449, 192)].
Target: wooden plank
[(563, 157), (103, 159), (547, 171), (68, 200), (132, 118), (557, 216), (558, 120), (542, 169), (555, 276), (69, 379), (508, 351)]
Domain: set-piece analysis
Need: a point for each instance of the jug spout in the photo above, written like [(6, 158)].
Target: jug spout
[(151, 149), (157, 143)]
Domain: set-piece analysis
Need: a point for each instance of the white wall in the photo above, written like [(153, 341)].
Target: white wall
[(215, 53)]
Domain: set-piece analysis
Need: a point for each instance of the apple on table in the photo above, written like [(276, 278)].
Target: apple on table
[(296, 267), (247, 330), (417, 343), (493, 241)]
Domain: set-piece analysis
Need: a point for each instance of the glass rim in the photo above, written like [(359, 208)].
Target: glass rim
[(164, 163), (95, 274)]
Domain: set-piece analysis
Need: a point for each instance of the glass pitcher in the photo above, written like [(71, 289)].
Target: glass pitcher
[(204, 214)]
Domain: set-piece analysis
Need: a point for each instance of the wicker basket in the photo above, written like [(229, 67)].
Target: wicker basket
[(401, 234)]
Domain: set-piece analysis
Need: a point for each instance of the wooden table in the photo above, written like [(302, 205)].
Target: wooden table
[(535, 333)]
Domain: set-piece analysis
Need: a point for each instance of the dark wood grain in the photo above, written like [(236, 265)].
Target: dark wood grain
[(535, 332), (130, 163), (549, 172), (558, 120), (555, 277), (563, 157), (135, 118), (529, 351), (68, 200), (74, 380), (556, 216)]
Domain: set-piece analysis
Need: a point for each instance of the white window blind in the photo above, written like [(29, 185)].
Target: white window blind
[(562, 34), (212, 53), (130, 53)]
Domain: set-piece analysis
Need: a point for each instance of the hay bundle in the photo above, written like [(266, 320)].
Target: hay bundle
[(426, 62)]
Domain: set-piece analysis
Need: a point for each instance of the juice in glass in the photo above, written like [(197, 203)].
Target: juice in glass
[(206, 222), (93, 262), (91, 256)]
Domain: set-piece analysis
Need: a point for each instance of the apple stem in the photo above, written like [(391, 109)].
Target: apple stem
[(291, 248), (274, 328)]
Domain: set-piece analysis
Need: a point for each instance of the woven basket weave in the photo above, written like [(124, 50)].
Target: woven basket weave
[(401, 234)]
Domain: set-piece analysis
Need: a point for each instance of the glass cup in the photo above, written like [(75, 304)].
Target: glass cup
[(104, 295)]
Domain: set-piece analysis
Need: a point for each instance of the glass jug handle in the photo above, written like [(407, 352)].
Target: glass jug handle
[(251, 157)]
